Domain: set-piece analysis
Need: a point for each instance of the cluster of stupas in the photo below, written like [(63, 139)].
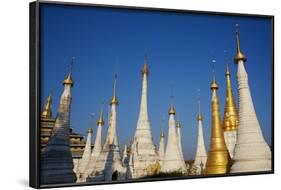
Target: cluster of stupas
[(236, 142)]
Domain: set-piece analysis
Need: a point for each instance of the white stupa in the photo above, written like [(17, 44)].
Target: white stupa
[(109, 166), (173, 160), (251, 152), (143, 150), (201, 154), (83, 163), (56, 163), (178, 131), (96, 150)]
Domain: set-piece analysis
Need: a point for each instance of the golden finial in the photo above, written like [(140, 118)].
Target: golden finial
[(178, 124), (214, 85), (114, 98), (199, 116), (47, 113), (145, 66), (172, 110), (90, 130), (227, 73), (68, 79), (100, 120), (239, 56)]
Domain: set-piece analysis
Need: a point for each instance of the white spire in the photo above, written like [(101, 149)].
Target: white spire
[(109, 160), (58, 145), (201, 154), (143, 148), (173, 160), (161, 150), (85, 157), (178, 131), (96, 150), (251, 152)]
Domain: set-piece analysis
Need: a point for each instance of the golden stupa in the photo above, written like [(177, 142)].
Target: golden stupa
[(230, 119), (218, 161), (47, 112)]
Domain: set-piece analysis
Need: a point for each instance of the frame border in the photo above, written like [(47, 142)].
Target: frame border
[(35, 91)]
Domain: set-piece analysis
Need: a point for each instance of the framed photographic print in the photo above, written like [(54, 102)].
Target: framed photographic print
[(130, 94)]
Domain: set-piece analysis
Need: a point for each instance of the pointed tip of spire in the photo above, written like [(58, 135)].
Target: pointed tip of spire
[(68, 80), (145, 66), (114, 97), (90, 130), (227, 72), (199, 116), (50, 98), (100, 120), (214, 85), (239, 56), (172, 110), (162, 133), (47, 112), (178, 124)]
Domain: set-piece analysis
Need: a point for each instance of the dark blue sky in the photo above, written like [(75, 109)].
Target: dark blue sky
[(180, 48)]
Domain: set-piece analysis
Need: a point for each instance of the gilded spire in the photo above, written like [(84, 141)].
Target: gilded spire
[(218, 161), (199, 116), (100, 120), (68, 79), (47, 113), (172, 110), (214, 85), (90, 130), (145, 66), (227, 73), (239, 56), (230, 120), (114, 98)]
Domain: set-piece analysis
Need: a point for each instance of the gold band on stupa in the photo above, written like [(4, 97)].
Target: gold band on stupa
[(218, 161)]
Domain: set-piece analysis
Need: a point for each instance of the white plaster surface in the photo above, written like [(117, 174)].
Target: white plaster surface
[(201, 154), (173, 161), (251, 152)]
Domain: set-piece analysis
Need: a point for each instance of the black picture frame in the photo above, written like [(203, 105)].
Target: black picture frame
[(35, 89)]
